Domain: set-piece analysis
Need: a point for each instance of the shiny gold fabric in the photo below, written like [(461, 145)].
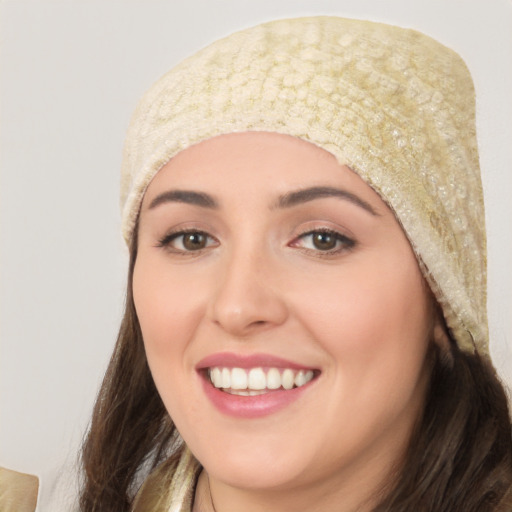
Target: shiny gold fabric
[(18, 491), (170, 488), (393, 104)]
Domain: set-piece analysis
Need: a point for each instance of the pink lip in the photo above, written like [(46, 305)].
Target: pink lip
[(231, 360), (249, 406)]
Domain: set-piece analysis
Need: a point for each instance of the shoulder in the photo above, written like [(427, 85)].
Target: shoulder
[(54, 488), (18, 491)]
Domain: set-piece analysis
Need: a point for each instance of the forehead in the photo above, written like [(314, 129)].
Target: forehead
[(254, 162)]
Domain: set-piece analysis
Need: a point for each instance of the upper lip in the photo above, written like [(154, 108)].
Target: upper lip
[(232, 360)]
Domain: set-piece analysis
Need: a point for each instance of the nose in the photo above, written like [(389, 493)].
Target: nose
[(248, 296)]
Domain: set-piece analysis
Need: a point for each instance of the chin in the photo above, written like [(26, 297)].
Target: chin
[(257, 466), (241, 474)]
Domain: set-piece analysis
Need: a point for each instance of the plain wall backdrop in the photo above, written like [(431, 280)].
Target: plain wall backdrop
[(71, 74)]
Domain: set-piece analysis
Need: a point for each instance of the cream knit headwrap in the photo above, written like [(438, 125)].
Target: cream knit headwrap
[(391, 103)]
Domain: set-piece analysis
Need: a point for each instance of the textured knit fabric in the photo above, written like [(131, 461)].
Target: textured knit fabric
[(391, 103)]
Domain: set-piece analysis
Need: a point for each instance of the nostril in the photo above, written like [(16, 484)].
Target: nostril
[(242, 307)]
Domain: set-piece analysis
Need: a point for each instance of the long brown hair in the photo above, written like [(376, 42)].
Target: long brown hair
[(130, 429), (459, 458)]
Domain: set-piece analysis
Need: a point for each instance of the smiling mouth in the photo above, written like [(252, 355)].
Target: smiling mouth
[(257, 381)]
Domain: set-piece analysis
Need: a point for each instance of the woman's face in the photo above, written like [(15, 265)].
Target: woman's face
[(262, 262)]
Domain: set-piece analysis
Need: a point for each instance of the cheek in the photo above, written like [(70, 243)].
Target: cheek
[(168, 314), (165, 306), (376, 326)]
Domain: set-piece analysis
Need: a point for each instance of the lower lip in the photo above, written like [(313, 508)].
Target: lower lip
[(252, 406)]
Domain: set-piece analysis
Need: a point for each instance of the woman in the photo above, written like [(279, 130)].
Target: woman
[(305, 326)]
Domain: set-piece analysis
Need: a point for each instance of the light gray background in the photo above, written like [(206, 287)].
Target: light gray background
[(71, 73)]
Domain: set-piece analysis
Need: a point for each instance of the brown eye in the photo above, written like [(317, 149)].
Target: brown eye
[(187, 241), (324, 241), (194, 241)]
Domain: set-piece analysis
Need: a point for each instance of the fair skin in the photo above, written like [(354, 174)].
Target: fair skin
[(326, 281)]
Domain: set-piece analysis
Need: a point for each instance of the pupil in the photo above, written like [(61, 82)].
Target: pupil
[(194, 241), (324, 241)]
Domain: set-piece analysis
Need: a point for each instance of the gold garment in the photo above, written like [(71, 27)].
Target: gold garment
[(171, 487), (393, 104), (18, 491)]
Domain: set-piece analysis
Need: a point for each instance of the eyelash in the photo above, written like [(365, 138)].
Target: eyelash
[(343, 242), (166, 241)]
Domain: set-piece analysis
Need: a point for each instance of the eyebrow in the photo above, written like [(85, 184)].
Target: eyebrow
[(287, 200), (310, 194), (184, 196)]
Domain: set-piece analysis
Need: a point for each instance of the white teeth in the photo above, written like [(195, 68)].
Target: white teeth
[(303, 377), (246, 392), (238, 379), (226, 378), (255, 381), (273, 379), (216, 377), (300, 378), (287, 378)]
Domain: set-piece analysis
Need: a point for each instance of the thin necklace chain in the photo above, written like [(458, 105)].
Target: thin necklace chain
[(210, 492)]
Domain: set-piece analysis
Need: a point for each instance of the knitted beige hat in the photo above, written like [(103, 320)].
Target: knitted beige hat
[(393, 104)]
